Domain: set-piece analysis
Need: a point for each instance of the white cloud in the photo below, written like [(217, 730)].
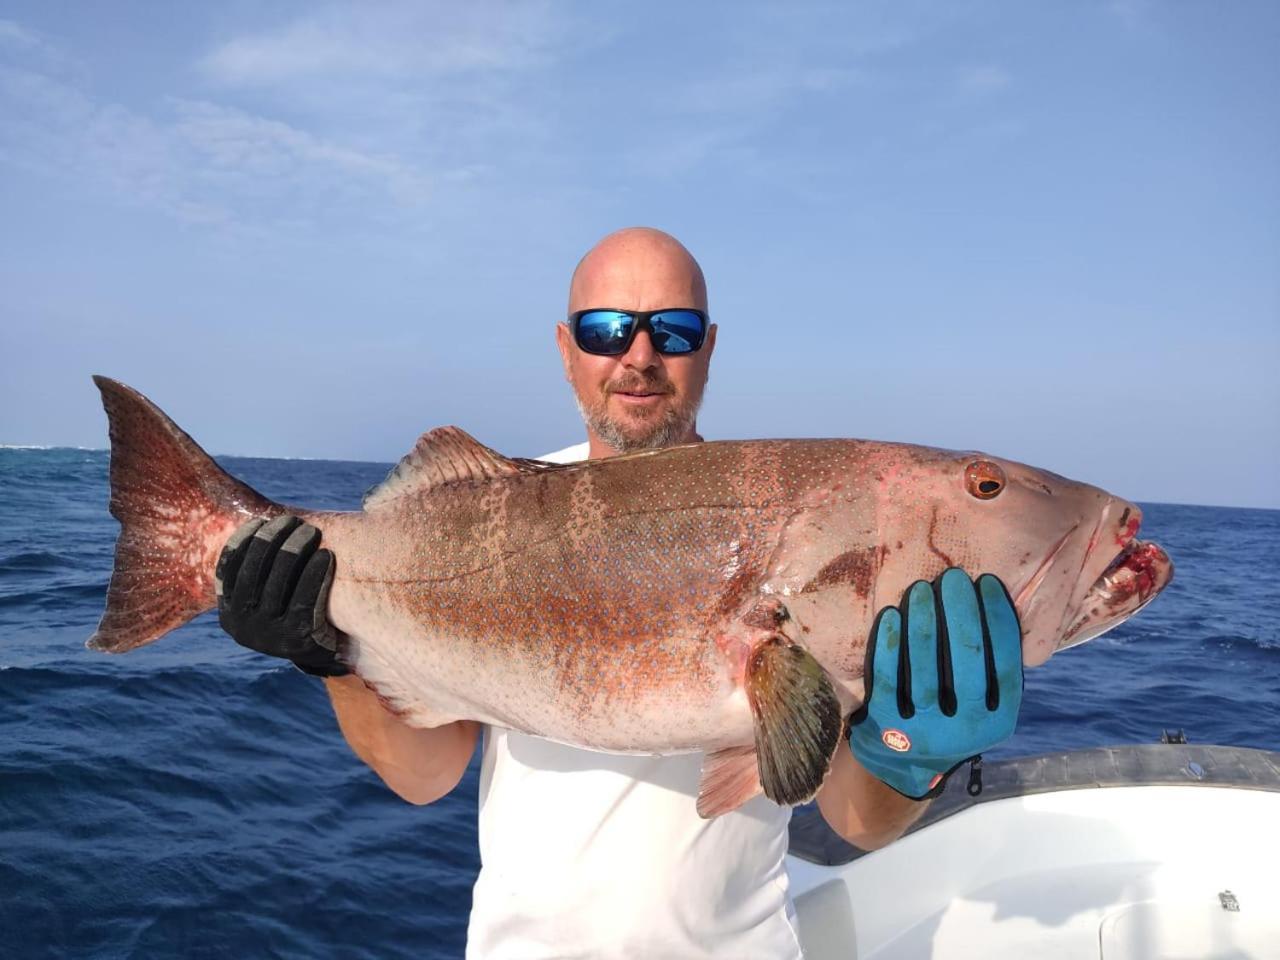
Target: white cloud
[(271, 154), (1130, 12), (20, 44), (367, 111), (762, 91), (39, 110), (13, 34), (201, 162), (986, 78), (389, 40)]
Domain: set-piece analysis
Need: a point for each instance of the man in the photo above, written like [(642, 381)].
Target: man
[(594, 855)]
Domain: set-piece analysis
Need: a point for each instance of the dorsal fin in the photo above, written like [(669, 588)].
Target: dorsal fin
[(442, 456)]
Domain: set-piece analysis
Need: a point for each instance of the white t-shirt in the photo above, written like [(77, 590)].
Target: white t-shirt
[(597, 855)]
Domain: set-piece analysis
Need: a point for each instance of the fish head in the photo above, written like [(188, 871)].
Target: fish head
[(1068, 552)]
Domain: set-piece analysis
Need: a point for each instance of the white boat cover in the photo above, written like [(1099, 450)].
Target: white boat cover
[(1151, 852)]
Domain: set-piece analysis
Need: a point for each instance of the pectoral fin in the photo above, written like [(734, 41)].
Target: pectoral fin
[(797, 719), (730, 778)]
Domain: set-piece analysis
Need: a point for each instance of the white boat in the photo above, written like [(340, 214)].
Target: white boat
[(1152, 852)]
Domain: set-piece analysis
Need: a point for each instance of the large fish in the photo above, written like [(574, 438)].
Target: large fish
[(715, 597)]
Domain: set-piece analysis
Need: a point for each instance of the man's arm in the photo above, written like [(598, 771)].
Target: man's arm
[(273, 587), (421, 766), (863, 809), (943, 683)]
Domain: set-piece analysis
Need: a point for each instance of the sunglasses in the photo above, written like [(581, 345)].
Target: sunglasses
[(609, 333)]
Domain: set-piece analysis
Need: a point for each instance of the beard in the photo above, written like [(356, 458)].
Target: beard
[(640, 430)]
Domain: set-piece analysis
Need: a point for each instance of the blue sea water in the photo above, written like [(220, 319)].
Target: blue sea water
[(194, 799)]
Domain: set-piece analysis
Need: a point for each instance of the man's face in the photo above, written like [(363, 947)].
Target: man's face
[(641, 400)]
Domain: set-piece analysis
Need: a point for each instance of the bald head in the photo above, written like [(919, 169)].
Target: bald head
[(638, 268), (641, 399)]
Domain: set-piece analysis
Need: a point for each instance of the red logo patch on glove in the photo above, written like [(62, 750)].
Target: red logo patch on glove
[(896, 740)]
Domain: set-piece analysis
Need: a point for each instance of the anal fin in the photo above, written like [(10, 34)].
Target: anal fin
[(797, 719), (730, 778)]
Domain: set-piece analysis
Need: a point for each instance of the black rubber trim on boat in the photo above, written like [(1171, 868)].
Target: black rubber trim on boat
[(1135, 765)]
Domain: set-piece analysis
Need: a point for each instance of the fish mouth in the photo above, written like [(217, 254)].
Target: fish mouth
[(1133, 578)]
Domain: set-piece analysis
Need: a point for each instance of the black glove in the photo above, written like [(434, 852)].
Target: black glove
[(273, 594)]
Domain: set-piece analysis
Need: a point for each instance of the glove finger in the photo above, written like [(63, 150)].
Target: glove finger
[(1004, 644), (311, 598), (262, 550), (880, 679), (287, 567), (965, 639), (918, 675), (232, 556)]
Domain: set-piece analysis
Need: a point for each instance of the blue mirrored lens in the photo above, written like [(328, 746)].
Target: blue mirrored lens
[(604, 331), (677, 331)]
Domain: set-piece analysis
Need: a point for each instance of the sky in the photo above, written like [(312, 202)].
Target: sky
[(1050, 231)]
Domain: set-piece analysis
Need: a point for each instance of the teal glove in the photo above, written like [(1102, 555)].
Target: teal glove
[(952, 690)]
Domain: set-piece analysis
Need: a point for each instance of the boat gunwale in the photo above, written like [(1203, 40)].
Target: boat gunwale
[(1128, 765)]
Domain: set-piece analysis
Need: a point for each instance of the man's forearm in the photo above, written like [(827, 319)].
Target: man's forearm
[(861, 808), (420, 765)]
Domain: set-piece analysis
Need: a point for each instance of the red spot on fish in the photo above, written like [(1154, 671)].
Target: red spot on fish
[(933, 528), (855, 567), (741, 583), (1128, 530), (735, 651)]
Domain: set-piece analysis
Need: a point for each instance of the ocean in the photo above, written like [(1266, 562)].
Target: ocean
[(194, 799)]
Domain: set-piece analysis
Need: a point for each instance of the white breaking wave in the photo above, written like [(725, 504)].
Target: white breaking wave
[(41, 446)]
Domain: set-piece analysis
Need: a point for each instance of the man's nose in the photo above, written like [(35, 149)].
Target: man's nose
[(641, 355)]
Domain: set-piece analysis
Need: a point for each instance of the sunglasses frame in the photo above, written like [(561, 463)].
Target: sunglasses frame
[(640, 319)]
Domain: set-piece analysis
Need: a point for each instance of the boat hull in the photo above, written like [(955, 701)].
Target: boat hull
[(1130, 853)]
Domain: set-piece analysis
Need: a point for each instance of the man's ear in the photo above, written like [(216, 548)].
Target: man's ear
[(564, 341)]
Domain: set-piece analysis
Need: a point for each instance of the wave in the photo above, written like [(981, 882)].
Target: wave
[(53, 597), (40, 446), (35, 560)]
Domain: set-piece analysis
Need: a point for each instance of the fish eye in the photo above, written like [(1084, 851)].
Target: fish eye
[(984, 479)]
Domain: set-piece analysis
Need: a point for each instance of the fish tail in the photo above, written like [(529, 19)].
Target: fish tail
[(176, 509)]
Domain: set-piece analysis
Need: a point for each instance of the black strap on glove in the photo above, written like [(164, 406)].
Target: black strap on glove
[(273, 594)]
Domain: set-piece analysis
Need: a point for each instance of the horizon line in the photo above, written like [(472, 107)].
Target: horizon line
[(392, 463)]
